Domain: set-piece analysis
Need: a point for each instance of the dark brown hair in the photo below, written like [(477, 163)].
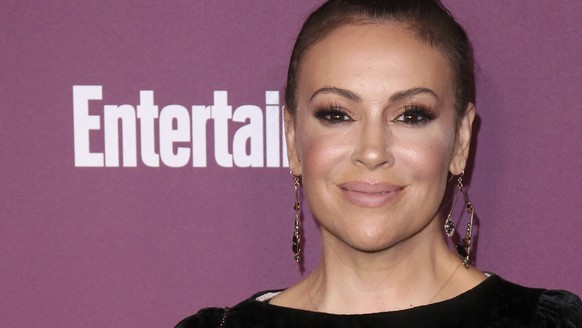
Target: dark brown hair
[(428, 19)]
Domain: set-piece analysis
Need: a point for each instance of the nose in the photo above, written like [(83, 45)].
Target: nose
[(372, 147)]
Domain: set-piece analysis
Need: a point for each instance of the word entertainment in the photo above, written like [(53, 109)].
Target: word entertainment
[(175, 136)]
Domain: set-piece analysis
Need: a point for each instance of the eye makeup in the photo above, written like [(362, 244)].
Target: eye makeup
[(416, 114), (332, 114)]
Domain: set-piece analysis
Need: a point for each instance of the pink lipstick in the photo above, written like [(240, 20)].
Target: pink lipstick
[(367, 194)]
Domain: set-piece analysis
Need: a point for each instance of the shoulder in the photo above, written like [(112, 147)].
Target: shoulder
[(248, 311), (208, 317), (535, 307), (559, 308)]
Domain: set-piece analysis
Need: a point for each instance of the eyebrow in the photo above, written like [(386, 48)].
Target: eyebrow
[(356, 98), (411, 92), (338, 91)]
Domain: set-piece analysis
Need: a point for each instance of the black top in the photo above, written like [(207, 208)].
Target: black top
[(493, 303)]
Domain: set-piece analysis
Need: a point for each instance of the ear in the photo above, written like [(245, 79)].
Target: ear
[(462, 141), (291, 140)]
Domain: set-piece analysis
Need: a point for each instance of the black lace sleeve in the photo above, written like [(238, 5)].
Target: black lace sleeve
[(559, 309), (205, 318)]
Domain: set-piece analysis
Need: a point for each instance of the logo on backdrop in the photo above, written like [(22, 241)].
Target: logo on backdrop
[(181, 139)]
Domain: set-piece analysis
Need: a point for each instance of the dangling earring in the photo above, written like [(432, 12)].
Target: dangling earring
[(297, 232), (463, 247)]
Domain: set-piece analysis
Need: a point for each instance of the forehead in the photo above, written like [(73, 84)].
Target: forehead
[(375, 57)]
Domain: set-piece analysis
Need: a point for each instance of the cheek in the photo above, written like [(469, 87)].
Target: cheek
[(428, 164), (426, 156), (322, 154), (429, 157)]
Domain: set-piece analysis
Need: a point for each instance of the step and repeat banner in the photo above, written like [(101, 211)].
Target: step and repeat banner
[(144, 171)]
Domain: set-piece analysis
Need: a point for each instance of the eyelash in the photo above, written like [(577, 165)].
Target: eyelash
[(415, 115), (412, 115), (332, 115)]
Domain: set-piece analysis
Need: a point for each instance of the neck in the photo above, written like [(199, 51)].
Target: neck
[(410, 273)]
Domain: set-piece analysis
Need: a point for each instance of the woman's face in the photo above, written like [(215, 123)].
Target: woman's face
[(375, 134)]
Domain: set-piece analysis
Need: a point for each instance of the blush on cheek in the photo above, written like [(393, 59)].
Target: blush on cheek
[(426, 159), (323, 152)]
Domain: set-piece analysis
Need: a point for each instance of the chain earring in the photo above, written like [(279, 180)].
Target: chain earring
[(463, 247), (297, 231)]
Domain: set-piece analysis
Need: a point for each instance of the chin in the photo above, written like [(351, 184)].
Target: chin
[(372, 247), (372, 241)]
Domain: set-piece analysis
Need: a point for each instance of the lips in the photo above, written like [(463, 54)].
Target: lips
[(367, 194)]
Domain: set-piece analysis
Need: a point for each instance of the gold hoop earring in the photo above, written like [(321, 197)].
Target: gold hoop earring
[(297, 232), (463, 247)]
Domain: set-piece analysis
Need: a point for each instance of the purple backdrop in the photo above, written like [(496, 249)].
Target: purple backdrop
[(144, 246)]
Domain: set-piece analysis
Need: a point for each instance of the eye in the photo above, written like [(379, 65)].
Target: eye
[(332, 115), (415, 115)]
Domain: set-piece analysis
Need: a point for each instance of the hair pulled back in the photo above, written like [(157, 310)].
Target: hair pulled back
[(428, 19)]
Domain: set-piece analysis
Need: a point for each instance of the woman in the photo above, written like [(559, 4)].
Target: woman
[(379, 109)]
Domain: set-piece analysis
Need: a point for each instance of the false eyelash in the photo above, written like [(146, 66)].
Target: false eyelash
[(420, 111), (324, 114)]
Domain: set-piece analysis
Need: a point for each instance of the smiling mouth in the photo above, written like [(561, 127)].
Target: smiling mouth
[(366, 194)]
